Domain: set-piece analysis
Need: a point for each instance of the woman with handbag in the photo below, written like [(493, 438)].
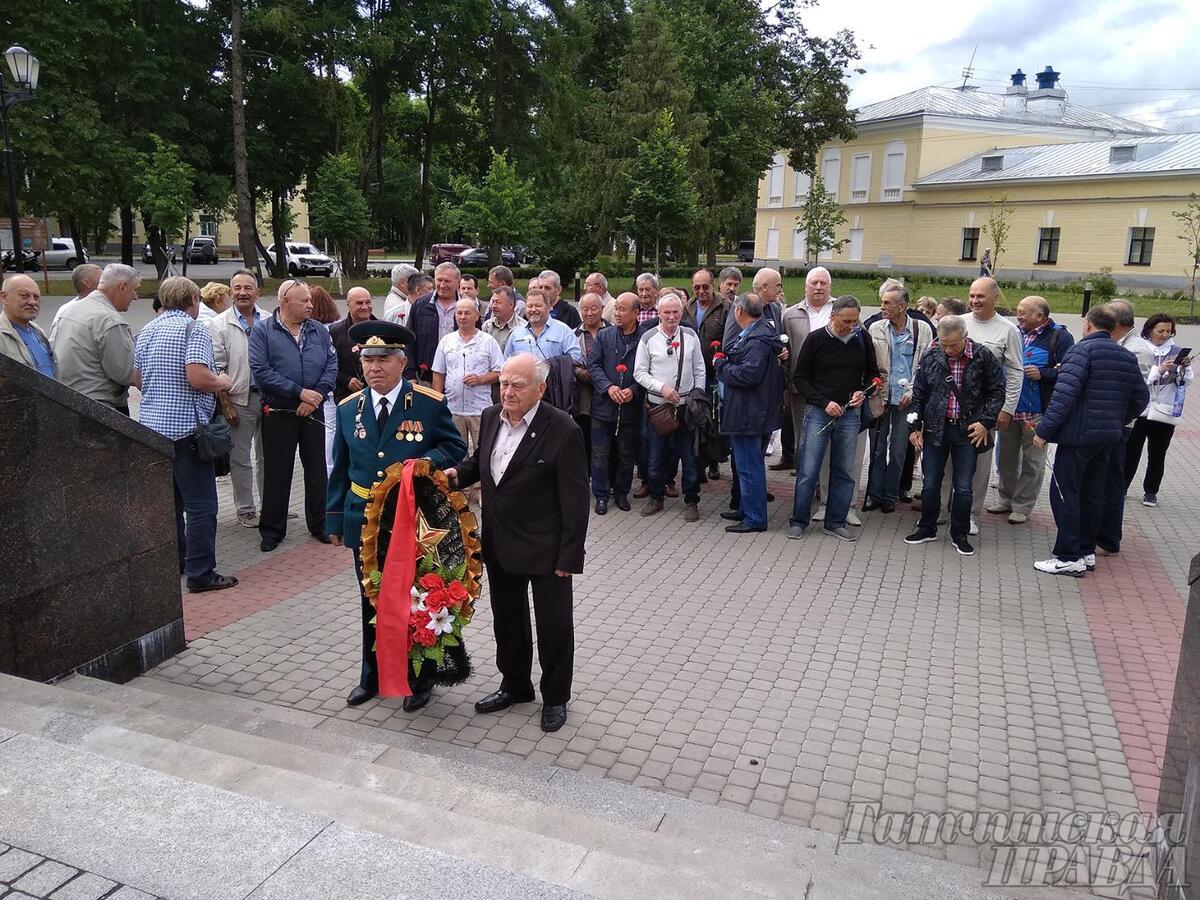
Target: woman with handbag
[(670, 365), (174, 358)]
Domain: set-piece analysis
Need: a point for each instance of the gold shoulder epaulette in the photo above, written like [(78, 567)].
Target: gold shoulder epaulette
[(348, 399), (429, 392)]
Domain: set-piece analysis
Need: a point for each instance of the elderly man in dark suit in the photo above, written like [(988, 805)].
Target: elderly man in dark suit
[(531, 463)]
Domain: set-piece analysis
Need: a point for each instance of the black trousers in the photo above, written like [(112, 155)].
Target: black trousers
[(553, 600), (368, 678), (1158, 435), (281, 435), (787, 435)]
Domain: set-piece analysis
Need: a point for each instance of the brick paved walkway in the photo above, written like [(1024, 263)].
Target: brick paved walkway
[(25, 876), (786, 678)]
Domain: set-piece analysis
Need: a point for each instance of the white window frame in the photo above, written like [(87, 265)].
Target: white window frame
[(799, 241), (772, 251), (798, 178), (863, 194), (856, 253), (775, 181), (204, 222), (832, 185), (889, 191)]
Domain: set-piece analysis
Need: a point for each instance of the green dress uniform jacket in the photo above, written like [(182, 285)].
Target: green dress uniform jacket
[(360, 457)]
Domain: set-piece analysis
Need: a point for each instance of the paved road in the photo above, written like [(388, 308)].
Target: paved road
[(786, 678)]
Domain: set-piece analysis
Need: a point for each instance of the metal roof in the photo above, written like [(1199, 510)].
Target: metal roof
[(1157, 154), (975, 104)]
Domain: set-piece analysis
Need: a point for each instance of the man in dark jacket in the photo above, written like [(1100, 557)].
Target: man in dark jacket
[(431, 319), (350, 373), (1022, 466), (616, 404), (751, 387), (1100, 390), (708, 311), (294, 365), (952, 423)]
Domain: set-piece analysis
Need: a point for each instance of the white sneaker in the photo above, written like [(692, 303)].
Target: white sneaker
[(974, 529), (1089, 560), (819, 515), (1055, 566), (853, 519)]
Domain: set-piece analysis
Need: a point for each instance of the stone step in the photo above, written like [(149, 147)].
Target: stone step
[(188, 841), (544, 843), (618, 827)]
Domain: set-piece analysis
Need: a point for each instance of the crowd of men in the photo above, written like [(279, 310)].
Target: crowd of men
[(664, 385)]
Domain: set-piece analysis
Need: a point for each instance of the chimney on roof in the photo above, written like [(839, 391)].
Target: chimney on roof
[(1014, 97), (1049, 100)]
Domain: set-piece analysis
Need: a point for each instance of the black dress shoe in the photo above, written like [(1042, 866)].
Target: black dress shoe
[(359, 696), (714, 473), (886, 506), (554, 717), (906, 498), (623, 504), (601, 507), (770, 497), (323, 538), (742, 528), (869, 504), (732, 515), (502, 699), (782, 466), (417, 700), (268, 545)]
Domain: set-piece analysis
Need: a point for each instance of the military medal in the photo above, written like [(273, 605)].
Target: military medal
[(420, 428), (360, 432)]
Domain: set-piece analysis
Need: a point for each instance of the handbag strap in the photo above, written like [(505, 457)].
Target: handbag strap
[(679, 372), (962, 407), (187, 340)]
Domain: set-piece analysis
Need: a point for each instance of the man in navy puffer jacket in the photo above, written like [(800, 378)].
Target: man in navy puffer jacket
[(1100, 389)]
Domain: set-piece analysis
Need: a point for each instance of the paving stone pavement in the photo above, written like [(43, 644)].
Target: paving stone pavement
[(785, 678), (28, 875)]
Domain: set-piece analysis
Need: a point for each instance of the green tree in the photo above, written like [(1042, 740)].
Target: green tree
[(997, 227), (662, 201), (1189, 232), (820, 218), (338, 210), (499, 208), (165, 196)]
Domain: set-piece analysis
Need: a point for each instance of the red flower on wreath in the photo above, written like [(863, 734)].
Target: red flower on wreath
[(437, 600), (431, 582), (458, 593), (425, 637)]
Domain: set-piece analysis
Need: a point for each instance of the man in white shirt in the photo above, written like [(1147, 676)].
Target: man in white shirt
[(85, 278), (397, 304), (465, 366)]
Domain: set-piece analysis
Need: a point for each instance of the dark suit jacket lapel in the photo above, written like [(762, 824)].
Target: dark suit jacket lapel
[(532, 432), (488, 429)]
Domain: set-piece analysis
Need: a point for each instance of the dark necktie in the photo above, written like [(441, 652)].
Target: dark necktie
[(383, 414)]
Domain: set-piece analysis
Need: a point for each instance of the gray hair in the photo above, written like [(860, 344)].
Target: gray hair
[(600, 276), (647, 278), (1123, 310), (666, 297), (116, 274), (503, 274), (949, 325), (847, 302), (243, 272), (730, 272), (11, 278), (82, 275), (506, 290), (1040, 304), (892, 285), (447, 266), (750, 304), (401, 273), (541, 368), (818, 270), (551, 276)]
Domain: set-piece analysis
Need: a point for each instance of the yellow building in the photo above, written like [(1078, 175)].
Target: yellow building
[(1086, 189), (225, 229)]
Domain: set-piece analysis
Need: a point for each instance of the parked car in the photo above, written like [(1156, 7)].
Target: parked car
[(62, 253), (202, 250), (148, 255), (745, 251), (304, 259), (478, 257), (522, 256), (440, 253)]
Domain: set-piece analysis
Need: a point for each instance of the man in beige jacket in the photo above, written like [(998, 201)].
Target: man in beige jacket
[(230, 332)]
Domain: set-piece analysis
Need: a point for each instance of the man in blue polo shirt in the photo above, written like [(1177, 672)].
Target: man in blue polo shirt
[(20, 338), (543, 337)]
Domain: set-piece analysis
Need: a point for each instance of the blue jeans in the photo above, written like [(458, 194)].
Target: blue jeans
[(667, 452), (840, 438), (889, 447), (195, 513), (957, 448), (752, 478), (608, 442), (1082, 479)]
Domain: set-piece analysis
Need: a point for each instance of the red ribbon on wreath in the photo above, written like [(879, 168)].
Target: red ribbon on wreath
[(393, 605)]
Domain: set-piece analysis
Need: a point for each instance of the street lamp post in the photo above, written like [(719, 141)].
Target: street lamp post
[(24, 68)]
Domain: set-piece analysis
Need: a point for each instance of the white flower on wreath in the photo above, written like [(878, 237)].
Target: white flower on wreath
[(418, 601), (441, 622)]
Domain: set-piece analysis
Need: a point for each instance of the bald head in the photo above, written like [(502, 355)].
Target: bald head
[(768, 285), (22, 299), (982, 298), (625, 311), (358, 304)]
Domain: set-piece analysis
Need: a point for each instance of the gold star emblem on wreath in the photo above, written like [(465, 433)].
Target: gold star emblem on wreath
[(428, 537)]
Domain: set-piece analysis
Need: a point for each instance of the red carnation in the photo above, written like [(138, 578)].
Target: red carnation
[(418, 619), (674, 345), (425, 637), (424, 367), (718, 355), (431, 582), (458, 593), (715, 344), (436, 601), (622, 368)]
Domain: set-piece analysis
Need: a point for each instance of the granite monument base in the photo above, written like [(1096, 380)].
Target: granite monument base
[(90, 562)]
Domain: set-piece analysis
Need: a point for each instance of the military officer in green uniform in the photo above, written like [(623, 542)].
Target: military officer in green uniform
[(370, 437)]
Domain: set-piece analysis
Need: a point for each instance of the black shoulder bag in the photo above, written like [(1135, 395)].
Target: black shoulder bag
[(213, 440)]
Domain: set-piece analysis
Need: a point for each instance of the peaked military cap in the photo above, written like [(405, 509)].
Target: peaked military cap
[(376, 338)]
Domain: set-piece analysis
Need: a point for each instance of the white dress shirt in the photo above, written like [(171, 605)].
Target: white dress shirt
[(818, 317), (508, 438), (391, 397)]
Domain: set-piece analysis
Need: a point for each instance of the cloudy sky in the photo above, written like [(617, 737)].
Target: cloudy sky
[(1135, 59)]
